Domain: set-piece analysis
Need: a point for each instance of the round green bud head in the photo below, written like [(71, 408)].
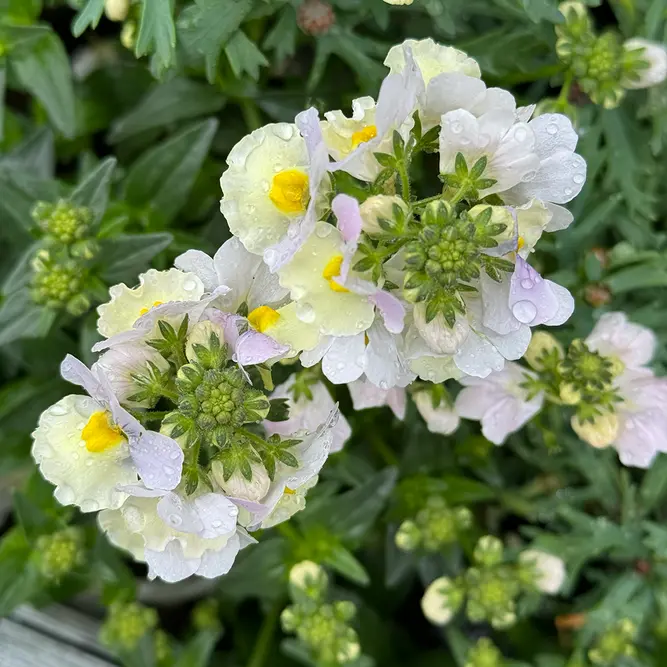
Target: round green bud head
[(60, 553), (126, 624), (484, 654), (408, 537), (57, 284), (62, 221)]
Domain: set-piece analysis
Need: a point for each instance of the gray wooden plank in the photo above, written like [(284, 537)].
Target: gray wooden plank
[(22, 646)]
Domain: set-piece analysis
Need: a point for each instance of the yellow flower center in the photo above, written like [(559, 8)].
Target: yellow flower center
[(289, 492), (143, 311), (331, 270), (99, 435), (289, 191), (263, 318), (364, 135), (520, 243)]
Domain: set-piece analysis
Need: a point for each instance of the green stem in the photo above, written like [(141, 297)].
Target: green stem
[(154, 416), (265, 637), (384, 450), (565, 91), (170, 394), (405, 180), (459, 195), (428, 200)]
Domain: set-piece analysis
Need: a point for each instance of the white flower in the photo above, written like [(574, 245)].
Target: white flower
[(306, 573), (436, 603), (653, 57), (79, 450), (377, 352), (291, 502), (177, 537), (155, 289), (237, 486), (399, 2), (252, 286), (122, 362), (499, 402), (528, 160), (87, 446), (306, 415), (439, 419), (367, 395), (272, 188), (642, 419), (549, 570), (432, 59), (323, 301), (615, 336)]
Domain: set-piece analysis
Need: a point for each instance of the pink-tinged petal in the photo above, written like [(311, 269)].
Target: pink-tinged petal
[(391, 309), (641, 437), (531, 299), (158, 459), (179, 514), (615, 335), (254, 347), (75, 371), (565, 304), (346, 210), (397, 401)]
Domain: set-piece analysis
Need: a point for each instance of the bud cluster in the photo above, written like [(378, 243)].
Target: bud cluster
[(434, 526), (60, 553), (484, 654), (614, 644), (322, 626), (61, 266)]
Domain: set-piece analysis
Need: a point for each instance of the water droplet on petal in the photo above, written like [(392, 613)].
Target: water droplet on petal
[(168, 470), (528, 176), (233, 512), (90, 506), (323, 230), (578, 178), (524, 311), (58, 411), (189, 285), (174, 520), (216, 523), (527, 283), (520, 133), (552, 128), (305, 312)]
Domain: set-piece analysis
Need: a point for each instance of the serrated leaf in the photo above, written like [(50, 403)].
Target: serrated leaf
[(89, 16), (244, 56), (282, 37), (157, 33)]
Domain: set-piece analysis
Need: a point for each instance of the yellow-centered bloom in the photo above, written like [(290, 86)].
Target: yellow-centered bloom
[(331, 271), (365, 134), (99, 434), (289, 191)]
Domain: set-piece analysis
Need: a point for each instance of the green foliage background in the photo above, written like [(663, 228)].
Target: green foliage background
[(142, 139)]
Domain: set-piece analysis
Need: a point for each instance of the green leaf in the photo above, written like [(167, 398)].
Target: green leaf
[(19, 579), (21, 318), (157, 33), (199, 649), (176, 100), (3, 87), (44, 71), (89, 15), (129, 254), (20, 11), (163, 176), (93, 191), (244, 56), (462, 490), (653, 274), (32, 519), (35, 155), (344, 562), (353, 513), (212, 25), (282, 37), (654, 485), (20, 274)]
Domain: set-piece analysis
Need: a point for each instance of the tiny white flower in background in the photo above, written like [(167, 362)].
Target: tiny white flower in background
[(652, 53), (306, 573), (306, 415), (435, 603), (549, 569), (498, 401), (155, 289), (121, 362), (399, 2), (439, 419), (367, 395)]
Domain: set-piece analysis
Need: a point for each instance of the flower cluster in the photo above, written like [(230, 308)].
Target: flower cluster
[(491, 586)]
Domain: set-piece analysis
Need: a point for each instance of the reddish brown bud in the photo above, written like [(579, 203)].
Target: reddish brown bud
[(315, 17), (597, 295)]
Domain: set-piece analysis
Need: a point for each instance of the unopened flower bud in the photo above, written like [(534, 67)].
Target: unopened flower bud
[(380, 207), (548, 570), (208, 335), (308, 577), (597, 295), (237, 486), (126, 624), (116, 10), (128, 35), (488, 551), (541, 345), (441, 601), (63, 221), (315, 17), (437, 333), (484, 654), (569, 394), (600, 432), (60, 553), (408, 536), (648, 63)]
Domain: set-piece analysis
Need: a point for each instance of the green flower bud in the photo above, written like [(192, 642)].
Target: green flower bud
[(441, 600), (569, 394), (599, 432), (62, 221), (488, 551), (126, 624), (60, 553), (615, 643), (55, 284), (408, 537), (484, 654), (116, 10), (310, 578), (163, 649), (391, 210), (543, 346)]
